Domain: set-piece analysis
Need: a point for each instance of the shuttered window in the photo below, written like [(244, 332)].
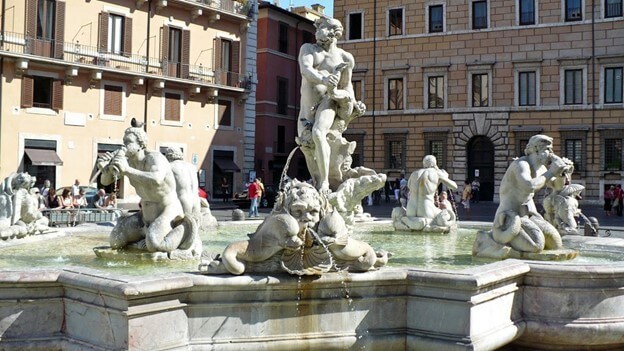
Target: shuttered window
[(172, 106), (115, 34), (113, 95), (42, 92)]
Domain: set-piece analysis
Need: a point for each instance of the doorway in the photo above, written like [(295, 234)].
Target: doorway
[(480, 151)]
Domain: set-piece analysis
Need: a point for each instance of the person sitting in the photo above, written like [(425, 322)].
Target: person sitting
[(80, 201), (65, 199), (111, 201), (99, 200), (52, 200)]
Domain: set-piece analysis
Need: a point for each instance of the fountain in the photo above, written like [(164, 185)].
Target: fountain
[(300, 302)]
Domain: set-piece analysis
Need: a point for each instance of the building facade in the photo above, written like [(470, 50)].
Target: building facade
[(74, 74), (471, 81), (281, 34)]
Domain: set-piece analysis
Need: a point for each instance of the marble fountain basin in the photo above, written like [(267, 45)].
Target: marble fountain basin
[(437, 298)]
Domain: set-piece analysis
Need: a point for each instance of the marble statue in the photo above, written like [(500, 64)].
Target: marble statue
[(301, 236), (561, 207), (327, 100), (161, 225), (518, 229), (421, 213), (19, 208), (187, 188), (308, 231)]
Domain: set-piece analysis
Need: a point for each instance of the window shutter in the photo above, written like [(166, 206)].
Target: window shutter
[(27, 91), (103, 41), (127, 45), (57, 95), (236, 58), (186, 49), (107, 100), (217, 54), (31, 18), (59, 31), (172, 107), (164, 43)]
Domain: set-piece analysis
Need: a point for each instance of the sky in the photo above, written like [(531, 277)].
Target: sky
[(329, 4)]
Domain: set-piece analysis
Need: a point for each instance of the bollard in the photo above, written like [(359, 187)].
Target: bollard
[(238, 215)]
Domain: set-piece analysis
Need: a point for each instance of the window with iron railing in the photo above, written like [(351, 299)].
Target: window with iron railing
[(395, 153), (613, 8), (574, 152), (612, 154)]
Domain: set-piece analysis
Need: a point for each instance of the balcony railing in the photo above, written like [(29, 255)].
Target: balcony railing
[(240, 8), (613, 10), (72, 53)]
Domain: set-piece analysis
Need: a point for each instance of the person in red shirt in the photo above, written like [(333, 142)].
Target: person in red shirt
[(252, 194), (618, 196)]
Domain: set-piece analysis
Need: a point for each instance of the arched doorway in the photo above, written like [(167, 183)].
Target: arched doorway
[(480, 151)]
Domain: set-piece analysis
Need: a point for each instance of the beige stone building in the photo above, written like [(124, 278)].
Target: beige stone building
[(471, 81), (74, 74)]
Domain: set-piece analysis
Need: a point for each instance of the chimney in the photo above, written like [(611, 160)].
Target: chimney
[(318, 8)]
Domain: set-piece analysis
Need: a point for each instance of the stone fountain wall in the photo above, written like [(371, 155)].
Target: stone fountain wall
[(530, 304)]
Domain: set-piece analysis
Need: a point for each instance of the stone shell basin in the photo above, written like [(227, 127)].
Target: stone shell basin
[(539, 305)]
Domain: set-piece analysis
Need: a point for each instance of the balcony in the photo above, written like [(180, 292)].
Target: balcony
[(75, 54), (242, 8)]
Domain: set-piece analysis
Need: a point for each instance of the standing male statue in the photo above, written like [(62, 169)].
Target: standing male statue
[(160, 225), (326, 93)]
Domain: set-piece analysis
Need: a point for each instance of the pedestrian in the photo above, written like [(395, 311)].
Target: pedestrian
[(608, 198), (252, 194), (45, 189), (467, 195), (261, 191), (618, 195), (225, 189), (387, 190), (474, 186), (75, 189)]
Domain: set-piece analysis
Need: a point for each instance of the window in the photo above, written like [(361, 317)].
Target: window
[(283, 38), (527, 12), (479, 15), (573, 10), (436, 18), (527, 88), (355, 26), (227, 61), (175, 45), (281, 139), (308, 37), (173, 104), (436, 92), (224, 117), (282, 96), (573, 87), (613, 154), (395, 22), (42, 92), (395, 157), (395, 94), (45, 19), (357, 89), (395, 151), (480, 90), (613, 8), (435, 144), (574, 152), (115, 34), (113, 100), (613, 85)]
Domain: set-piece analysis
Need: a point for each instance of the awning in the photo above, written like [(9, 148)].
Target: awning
[(41, 157), (226, 165)]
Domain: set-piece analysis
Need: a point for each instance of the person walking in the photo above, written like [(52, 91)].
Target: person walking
[(260, 190), (608, 198), (252, 194), (225, 189), (466, 196), (618, 196), (474, 186)]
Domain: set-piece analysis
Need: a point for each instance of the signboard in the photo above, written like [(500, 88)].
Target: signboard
[(476, 172)]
